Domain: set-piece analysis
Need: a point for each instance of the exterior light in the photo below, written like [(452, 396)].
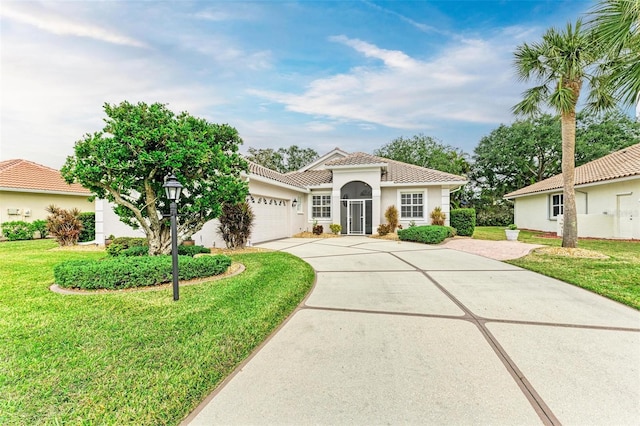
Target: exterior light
[(173, 188), (294, 202)]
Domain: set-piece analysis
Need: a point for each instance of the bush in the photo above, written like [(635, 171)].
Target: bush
[(384, 229), (335, 228), (317, 230), (437, 216), (192, 250), (123, 243), (17, 230), (129, 272), (429, 234), (391, 214), (64, 225), (464, 220), (144, 251), (236, 221), (40, 225), (494, 215), (88, 220)]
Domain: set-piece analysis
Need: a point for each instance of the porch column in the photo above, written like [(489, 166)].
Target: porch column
[(445, 205), (376, 212), (335, 207)]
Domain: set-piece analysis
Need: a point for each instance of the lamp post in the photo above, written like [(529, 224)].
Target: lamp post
[(173, 188)]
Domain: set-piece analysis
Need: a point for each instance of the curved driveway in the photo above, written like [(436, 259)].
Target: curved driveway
[(404, 333)]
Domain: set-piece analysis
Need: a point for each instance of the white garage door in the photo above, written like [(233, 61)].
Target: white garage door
[(271, 218)]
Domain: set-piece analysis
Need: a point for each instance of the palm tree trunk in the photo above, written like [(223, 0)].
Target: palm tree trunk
[(570, 228)]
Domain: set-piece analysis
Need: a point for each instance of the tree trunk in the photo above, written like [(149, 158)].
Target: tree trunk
[(160, 242), (570, 228)]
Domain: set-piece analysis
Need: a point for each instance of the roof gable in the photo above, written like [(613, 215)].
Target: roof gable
[(334, 154), (620, 164), (26, 176)]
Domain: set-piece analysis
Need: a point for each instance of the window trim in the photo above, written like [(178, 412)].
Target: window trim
[(324, 204), (553, 205), (422, 193)]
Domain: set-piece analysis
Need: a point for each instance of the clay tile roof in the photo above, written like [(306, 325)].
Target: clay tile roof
[(623, 163), (312, 177), (26, 175), (396, 171), (262, 171)]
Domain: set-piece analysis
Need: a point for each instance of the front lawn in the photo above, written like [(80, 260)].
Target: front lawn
[(616, 278), (129, 357)]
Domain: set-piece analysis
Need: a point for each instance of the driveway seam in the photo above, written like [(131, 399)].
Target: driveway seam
[(537, 403)]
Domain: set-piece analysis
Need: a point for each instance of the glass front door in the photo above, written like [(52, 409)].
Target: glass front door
[(355, 219)]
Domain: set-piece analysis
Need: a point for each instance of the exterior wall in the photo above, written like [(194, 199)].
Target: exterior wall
[(597, 205), (434, 196), (370, 176), (107, 222), (37, 203)]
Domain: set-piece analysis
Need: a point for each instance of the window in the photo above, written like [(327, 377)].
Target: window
[(412, 205), (321, 206), (556, 205)]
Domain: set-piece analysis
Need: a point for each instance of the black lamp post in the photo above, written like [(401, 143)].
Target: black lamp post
[(173, 188)]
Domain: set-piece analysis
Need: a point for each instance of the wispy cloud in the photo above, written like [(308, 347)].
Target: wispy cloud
[(418, 25), (470, 81), (55, 24)]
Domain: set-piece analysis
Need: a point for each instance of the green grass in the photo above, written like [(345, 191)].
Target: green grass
[(617, 278), (129, 357)]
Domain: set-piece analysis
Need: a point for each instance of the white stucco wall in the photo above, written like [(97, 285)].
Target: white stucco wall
[(597, 205), (434, 196), (32, 205)]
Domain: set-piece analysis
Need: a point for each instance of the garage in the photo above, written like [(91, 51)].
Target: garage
[(271, 218)]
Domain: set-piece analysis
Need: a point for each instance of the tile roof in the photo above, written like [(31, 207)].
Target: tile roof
[(623, 163), (257, 169), (26, 175)]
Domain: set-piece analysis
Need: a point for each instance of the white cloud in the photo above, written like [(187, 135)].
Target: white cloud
[(468, 81), (59, 25)]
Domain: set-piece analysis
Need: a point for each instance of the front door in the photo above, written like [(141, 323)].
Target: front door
[(625, 216), (355, 217)]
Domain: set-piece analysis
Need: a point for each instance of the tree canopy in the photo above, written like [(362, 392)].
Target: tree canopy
[(127, 162), (426, 151), (282, 160)]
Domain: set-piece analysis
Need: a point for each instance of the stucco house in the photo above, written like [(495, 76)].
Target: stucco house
[(607, 198), (350, 189), (28, 188)]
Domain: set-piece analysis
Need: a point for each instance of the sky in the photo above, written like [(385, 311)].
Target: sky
[(316, 74)]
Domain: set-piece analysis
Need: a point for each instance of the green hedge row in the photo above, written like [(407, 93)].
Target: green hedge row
[(464, 220), (20, 230), (429, 234), (182, 251), (128, 272), (88, 232)]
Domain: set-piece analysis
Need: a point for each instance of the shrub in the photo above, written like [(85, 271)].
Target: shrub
[(88, 220), (192, 250), (429, 234), (129, 272), (17, 230), (464, 220), (335, 228), (40, 226), (391, 214), (236, 221), (317, 229), (437, 216), (64, 225), (494, 215), (123, 243), (144, 251), (384, 229)]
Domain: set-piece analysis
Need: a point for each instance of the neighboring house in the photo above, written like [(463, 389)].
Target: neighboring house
[(607, 198), (27, 189), (353, 190)]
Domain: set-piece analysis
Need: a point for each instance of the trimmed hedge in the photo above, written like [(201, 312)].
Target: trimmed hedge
[(122, 243), (129, 272), (17, 230), (428, 234), (88, 232), (464, 220), (144, 251)]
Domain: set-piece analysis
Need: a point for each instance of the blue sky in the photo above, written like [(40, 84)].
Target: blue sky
[(348, 74)]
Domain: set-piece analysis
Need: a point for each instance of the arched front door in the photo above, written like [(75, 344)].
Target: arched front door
[(356, 208)]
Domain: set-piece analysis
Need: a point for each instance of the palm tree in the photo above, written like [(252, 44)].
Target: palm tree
[(561, 62), (616, 29)]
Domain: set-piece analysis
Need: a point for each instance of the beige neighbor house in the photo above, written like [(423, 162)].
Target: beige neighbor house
[(27, 189), (607, 198), (352, 190)]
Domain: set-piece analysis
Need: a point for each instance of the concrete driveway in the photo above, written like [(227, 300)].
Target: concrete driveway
[(404, 333)]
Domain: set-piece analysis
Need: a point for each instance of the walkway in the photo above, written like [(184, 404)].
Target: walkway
[(404, 333)]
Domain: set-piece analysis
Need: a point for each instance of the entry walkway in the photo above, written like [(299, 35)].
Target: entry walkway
[(405, 333)]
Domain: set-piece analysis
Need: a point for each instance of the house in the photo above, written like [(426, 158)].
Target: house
[(353, 190), (28, 188), (607, 198)]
